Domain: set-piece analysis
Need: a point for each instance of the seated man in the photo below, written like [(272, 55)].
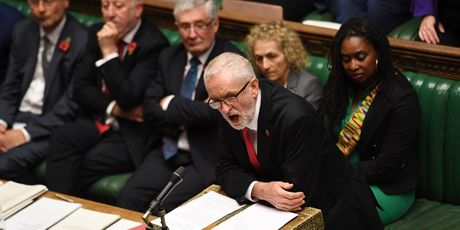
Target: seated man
[(273, 148), (108, 136), (175, 106), (8, 18), (34, 98)]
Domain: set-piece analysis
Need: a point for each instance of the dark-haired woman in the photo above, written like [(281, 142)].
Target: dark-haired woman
[(373, 112)]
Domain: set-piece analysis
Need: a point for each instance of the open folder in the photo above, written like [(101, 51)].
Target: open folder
[(15, 196)]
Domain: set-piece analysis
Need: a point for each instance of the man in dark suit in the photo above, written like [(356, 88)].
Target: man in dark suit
[(175, 107), (109, 135), (35, 96), (8, 18), (273, 148)]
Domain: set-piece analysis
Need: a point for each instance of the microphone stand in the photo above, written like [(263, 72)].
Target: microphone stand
[(161, 214), (176, 179)]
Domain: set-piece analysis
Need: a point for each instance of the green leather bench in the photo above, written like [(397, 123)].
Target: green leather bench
[(406, 31)]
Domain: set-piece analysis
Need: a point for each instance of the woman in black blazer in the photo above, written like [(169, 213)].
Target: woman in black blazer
[(373, 112)]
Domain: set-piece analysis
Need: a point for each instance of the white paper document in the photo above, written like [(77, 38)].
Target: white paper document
[(257, 216), (84, 219), (14, 196), (199, 212), (42, 214), (124, 224)]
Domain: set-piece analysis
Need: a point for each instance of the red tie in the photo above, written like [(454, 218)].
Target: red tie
[(250, 149), (121, 47)]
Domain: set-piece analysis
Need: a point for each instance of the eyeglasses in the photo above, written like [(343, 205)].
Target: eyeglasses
[(217, 104), (45, 2), (199, 26)]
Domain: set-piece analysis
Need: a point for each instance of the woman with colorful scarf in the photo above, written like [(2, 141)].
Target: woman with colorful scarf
[(373, 113)]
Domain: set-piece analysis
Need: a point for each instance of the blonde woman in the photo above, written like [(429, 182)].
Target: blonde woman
[(278, 55)]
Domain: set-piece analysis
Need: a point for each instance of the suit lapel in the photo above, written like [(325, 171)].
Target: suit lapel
[(264, 128), (131, 50), (29, 68), (58, 54), (292, 81), (378, 110), (174, 82)]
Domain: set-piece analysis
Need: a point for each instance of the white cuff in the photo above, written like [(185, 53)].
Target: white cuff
[(2, 122), (108, 111), (26, 134), (166, 100), (248, 194), (109, 119), (106, 59)]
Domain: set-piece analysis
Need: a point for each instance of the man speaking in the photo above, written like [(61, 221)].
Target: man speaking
[(273, 148)]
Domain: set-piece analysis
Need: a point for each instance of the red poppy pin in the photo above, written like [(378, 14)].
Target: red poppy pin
[(64, 45), (131, 47)]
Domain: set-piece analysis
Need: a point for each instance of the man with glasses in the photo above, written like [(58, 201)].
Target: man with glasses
[(35, 96), (175, 106), (274, 148)]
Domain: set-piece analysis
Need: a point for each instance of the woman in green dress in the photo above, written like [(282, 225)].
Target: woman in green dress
[(373, 112)]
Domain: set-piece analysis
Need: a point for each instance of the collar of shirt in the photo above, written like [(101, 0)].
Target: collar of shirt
[(202, 57), (130, 36), (252, 125), (53, 36)]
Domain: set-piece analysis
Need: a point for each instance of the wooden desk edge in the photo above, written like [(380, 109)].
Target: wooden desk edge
[(100, 207)]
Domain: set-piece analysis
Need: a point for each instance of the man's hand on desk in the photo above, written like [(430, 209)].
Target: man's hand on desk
[(277, 194), (11, 139)]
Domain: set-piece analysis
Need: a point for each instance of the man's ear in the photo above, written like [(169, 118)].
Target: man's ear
[(254, 86)]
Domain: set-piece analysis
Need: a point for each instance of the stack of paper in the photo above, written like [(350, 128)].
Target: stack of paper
[(42, 214), (15, 196), (200, 212), (86, 219)]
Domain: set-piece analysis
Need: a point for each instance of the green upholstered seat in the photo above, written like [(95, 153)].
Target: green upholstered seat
[(407, 30), (87, 20), (317, 16), (318, 66), (427, 214), (106, 189), (172, 36), (22, 6)]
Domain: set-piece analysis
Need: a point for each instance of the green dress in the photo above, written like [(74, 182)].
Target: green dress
[(394, 206)]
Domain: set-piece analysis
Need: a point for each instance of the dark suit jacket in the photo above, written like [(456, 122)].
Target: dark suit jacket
[(305, 85), (8, 18), (57, 106), (199, 120), (292, 146), (388, 138), (127, 80)]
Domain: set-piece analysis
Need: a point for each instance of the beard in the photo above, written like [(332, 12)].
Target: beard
[(238, 120)]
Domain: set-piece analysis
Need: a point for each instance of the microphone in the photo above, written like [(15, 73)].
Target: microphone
[(176, 178)]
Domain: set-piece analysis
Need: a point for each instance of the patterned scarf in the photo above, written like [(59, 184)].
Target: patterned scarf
[(351, 132)]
